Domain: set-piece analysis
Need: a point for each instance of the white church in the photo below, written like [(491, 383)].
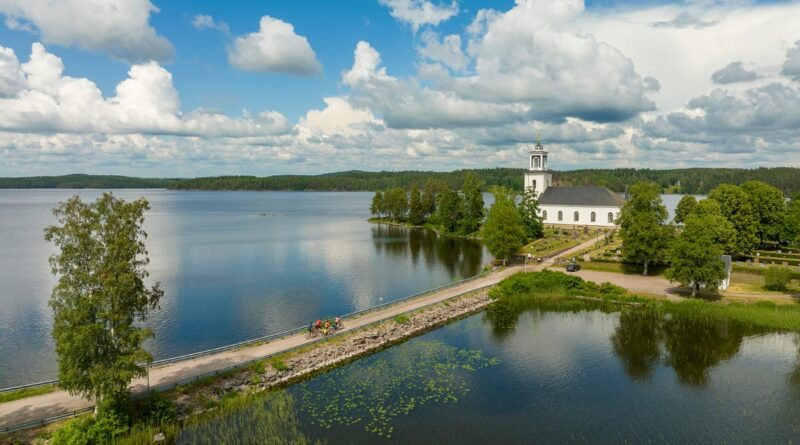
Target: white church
[(578, 206)]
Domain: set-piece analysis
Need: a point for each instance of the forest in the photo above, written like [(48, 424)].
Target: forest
[(692, 181)]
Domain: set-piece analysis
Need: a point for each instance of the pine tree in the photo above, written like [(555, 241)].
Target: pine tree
[(645, 237), (415, 212), (396, 203), (529, 212), (100, 300)]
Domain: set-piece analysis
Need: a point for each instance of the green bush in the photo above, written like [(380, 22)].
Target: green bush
[(88, 430), (278, 364), (776, 278), (159, 409), (401, 319)]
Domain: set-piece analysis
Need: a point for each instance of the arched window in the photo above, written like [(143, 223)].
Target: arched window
[(536, 162), (544, 215), (594, 217), (560, 215), (576, 216), (534, 185), (610, 217)]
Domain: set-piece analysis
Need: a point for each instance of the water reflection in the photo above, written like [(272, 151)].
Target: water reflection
[(461, 257)]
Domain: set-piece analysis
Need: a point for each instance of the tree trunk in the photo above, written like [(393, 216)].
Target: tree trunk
[(695, 286), (645, 268)]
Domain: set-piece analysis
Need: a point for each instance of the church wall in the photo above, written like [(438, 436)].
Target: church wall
[(584, 213)]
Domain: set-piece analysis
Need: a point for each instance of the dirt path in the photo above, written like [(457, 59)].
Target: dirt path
[(60, 402), (653, 285)]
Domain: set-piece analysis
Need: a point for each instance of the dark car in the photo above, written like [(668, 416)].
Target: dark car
[(573, 267)]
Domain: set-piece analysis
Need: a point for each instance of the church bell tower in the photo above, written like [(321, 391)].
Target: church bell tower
[(538, 178)]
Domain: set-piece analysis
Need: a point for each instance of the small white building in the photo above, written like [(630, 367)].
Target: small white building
[(580, 206)]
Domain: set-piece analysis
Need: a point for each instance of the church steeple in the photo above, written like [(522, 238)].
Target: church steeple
[(538, 178)]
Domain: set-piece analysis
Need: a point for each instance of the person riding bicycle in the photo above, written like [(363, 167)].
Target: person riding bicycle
[(337, 323), (318, 324), (311, 328)]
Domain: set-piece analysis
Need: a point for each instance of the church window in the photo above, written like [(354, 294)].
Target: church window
[(544, 215), (610, 217), (594, 217), (536, 162), (560, 215), (534, 185), (577, 216)]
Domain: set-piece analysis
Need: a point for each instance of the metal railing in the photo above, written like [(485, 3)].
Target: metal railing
[(244, 364)]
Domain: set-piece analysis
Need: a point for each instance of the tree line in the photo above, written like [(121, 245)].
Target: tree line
[(507, 226), (733, 220), (689, 181)]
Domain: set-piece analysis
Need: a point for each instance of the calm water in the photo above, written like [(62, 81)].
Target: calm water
[(234, 266), (564, 377)]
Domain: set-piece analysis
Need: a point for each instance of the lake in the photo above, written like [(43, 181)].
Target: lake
[(556, 376), (233, 265)]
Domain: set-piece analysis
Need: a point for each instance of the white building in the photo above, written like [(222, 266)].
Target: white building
[(580, 206)]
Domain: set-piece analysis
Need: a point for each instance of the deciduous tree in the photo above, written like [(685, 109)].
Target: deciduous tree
[(695, 253), (736, 208), (377, 207), (449, 209), (100, 299), (791, 223), (416, 215), (645, 236), (768, 207), (685, 206), (396, 203), (503, 232)]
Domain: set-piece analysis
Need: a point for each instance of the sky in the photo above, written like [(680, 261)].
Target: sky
[(181, 88)]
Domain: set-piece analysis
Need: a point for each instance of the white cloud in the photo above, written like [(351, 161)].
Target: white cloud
[(791, 66), (420, 12), (447, 50), (204, 21), (146, 102), (119, 28), (274, 48), (11, 77), (338, 117)]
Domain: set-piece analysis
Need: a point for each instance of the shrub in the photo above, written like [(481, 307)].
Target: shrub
[(776, 278), (87, 430), (401, 319), (159, 409), (278, 364)]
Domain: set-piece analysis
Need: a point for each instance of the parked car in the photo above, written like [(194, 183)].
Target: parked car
[(573, 267)]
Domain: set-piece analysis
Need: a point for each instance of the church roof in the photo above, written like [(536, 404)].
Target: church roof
[(581, 196)]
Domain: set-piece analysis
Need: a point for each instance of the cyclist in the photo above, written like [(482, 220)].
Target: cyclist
[(318, 324), (337, 323)]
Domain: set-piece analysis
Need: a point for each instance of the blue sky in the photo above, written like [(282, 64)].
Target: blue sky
[(459, 84)]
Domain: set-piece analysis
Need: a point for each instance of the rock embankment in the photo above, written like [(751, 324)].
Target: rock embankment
[(296, 365)]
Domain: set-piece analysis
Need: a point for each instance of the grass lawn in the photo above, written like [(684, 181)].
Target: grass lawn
[(749, 283), (553, 243), (628, 269), (27, 392)]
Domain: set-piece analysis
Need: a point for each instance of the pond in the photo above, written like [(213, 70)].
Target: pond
[(592, 375)]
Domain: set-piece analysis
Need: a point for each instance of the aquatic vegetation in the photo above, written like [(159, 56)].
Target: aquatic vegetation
[(383, 387)]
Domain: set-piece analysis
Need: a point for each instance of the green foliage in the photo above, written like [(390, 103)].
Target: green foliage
[(529, 212), (768, 207), (695, 254), (416, 215), (503, 232), (377, 207), (100, 299), (777, 278), (396, 203), (159, 409), (473, 205), (26, 392), (450, 210), (88, 430), (736, 208), (401, 319), (791, 222), (432, 188), (247, 419), (645, 236), (685, 206), (278, 364)]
